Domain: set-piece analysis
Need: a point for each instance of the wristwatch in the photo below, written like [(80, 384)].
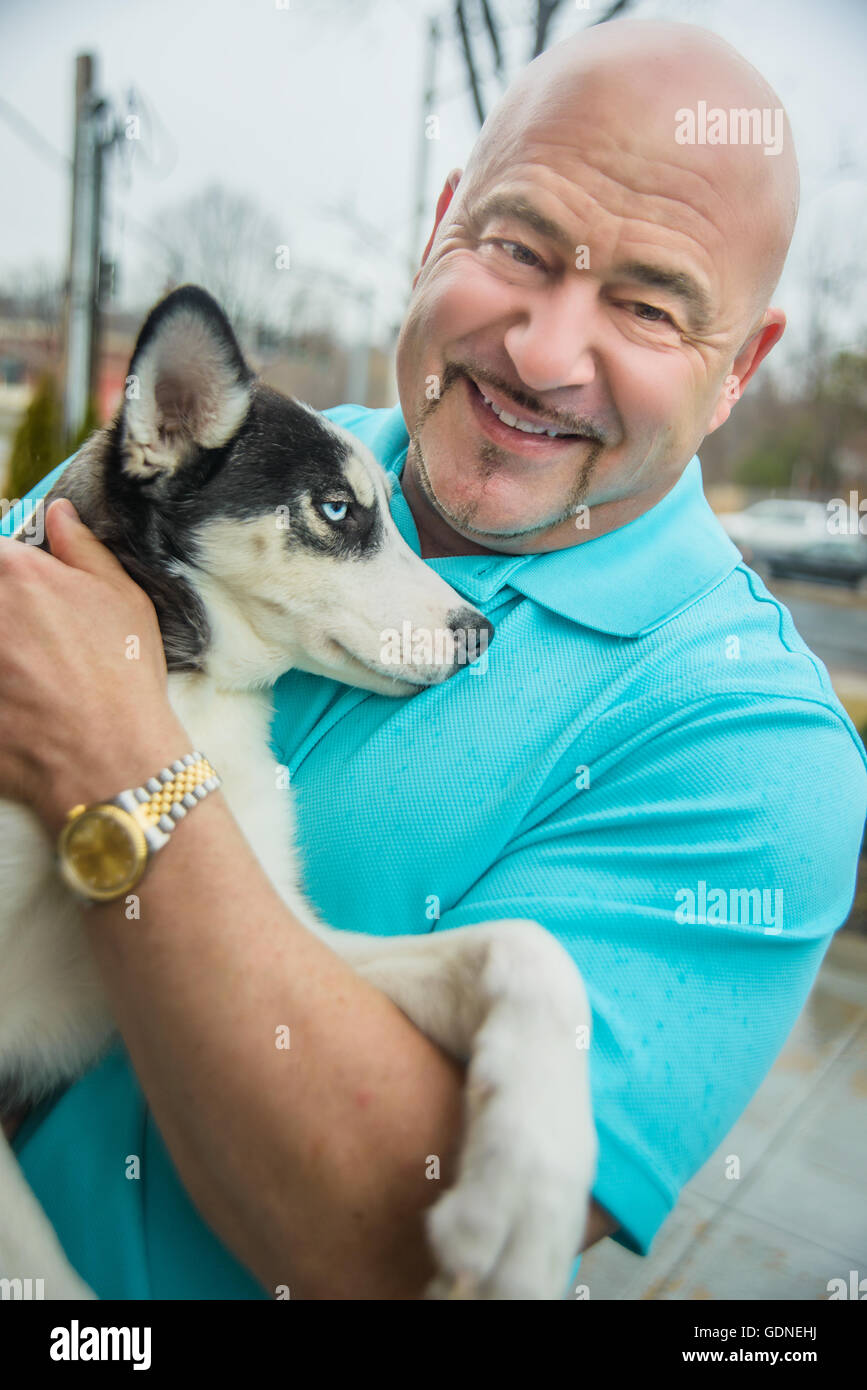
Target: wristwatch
[(103, 849)]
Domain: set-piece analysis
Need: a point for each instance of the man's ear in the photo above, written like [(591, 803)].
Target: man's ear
[(443, 201), (769, 332)]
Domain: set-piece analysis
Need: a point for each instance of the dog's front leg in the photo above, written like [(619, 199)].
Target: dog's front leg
[(505, 997), (29, 1248)]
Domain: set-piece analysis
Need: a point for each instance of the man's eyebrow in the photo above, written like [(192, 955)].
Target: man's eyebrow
[(522, 210), (677, 282)]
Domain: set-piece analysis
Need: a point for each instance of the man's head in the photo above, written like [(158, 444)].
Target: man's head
[(589, 273)]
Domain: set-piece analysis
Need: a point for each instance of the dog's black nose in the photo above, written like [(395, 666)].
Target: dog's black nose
[(472, 632)]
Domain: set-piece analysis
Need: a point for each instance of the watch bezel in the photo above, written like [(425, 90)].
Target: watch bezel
[(107, 810)]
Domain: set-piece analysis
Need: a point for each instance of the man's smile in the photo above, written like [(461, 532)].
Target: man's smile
[(528, 436)]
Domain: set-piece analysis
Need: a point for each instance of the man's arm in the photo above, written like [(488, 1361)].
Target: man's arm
[(309, 1162), (600, 1223)]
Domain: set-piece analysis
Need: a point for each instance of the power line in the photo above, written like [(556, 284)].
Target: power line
[(28, 131)]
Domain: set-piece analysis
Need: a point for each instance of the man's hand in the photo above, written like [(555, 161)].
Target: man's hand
[(83, 705)]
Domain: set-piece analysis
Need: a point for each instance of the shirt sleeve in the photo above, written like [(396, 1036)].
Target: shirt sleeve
[(19, 510), (696, 879)]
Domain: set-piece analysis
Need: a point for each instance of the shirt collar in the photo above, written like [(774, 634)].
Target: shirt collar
[(624, 583)]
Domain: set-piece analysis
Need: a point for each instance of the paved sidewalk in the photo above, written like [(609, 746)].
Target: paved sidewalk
[(797, 1216)]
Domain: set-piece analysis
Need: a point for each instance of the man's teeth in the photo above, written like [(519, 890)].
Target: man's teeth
[(524, 425)]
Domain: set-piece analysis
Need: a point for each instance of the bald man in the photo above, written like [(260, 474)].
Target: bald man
[(649, 761), (590, 273)]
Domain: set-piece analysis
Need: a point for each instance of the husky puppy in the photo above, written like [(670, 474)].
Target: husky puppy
[(262, 533)]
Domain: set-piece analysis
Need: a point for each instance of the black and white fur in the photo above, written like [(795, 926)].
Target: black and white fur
[(220, 498)]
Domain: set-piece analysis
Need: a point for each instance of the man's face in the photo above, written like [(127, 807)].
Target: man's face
[(587, 284)]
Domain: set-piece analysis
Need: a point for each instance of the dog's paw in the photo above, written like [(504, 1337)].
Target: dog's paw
[(512, 1224)]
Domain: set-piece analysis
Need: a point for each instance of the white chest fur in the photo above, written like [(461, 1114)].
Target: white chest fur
[(54, 1019)]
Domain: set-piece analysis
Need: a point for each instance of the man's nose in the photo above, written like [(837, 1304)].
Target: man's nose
[(552, 344)]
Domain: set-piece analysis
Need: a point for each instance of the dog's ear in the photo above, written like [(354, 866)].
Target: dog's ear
[(188, 386)]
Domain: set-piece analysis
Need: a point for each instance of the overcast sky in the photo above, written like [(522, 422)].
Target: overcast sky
[(317, 105)]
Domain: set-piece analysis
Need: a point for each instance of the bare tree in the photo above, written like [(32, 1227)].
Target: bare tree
[(38, 292), (227, 243), (478, 24)]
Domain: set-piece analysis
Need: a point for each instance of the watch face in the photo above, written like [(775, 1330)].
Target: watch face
[(103, 851)]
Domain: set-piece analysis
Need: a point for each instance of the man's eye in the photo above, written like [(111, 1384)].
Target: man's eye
[(660, 316), (334, 511), (517, 251)]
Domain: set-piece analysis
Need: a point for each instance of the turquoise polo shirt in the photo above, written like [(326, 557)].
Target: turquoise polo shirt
[(647, 760)]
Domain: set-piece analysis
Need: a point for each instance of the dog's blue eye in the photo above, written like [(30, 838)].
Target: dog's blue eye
[(335, 511)]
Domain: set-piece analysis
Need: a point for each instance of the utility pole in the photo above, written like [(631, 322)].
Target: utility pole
[(423, 162), (83, 277), (89, 276)]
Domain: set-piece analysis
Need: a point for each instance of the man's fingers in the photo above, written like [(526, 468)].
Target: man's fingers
[(76, 545)]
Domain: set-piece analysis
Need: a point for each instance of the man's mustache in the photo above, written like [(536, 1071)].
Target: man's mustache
[(569, 424)]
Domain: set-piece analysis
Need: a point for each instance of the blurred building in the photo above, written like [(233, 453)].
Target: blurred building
[(314, 367)]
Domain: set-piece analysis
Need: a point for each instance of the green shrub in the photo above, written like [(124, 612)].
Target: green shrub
[(39, 444)]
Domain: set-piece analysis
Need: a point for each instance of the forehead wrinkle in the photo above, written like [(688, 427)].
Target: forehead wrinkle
[(580, 82), (606, 179), (523, 210), (679, 283)]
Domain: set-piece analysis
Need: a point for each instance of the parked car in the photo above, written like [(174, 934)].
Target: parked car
[(833, 560), (783, 537), (778, 524)]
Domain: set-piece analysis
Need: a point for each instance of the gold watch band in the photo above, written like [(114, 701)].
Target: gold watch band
[(104, 848), (166, 798)]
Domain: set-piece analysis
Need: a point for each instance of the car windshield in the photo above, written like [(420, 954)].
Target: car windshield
[(792, 513)]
